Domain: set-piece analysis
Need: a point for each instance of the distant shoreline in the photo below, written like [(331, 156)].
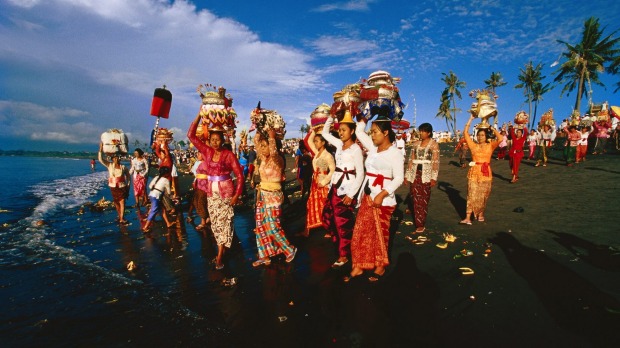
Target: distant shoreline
[(54, 154)]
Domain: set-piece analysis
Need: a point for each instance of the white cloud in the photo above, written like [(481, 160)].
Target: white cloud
[(341, 46), (352, 5)]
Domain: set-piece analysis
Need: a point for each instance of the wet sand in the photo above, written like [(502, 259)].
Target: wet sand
[(550, 276)]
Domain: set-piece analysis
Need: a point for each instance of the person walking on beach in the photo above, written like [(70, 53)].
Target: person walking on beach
[(92, 164), (421, 173), (547, 136), (139, 171), (503, 146), (532, 141), (159, 186), (270, 238), (602, 134), (573, 137), (324, 166), (338, 217), (582, 146), (479, 176), (516, 151), (462, 150), (118, 181), (222, 194), (199, 198), (384, 174)]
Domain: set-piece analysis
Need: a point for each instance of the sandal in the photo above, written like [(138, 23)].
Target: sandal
[(146, 230), (350, 277), (200, 227), (291, 256), (219, 267), (465, 222), (261, 262), (375, 277), (189, 219), (481, 219), (339, 264), (418, 230)]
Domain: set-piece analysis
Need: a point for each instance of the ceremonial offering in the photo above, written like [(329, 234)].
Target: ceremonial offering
[(547, 119), (319, 116), (603, 114), (400, 126), (380, 97), (615, 111), (264, 120), (216, 110), (484, 107), (114, 142), (347, 99), (521, 119), (244, 137), (164, 135), (162, 101)]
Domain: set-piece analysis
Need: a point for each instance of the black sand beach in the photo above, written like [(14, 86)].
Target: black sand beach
[(546, 263)]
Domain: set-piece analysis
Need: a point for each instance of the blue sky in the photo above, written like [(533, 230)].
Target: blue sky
[(71, 69)]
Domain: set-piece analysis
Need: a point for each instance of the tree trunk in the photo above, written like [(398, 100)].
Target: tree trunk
[(533, 119), (580, 90)]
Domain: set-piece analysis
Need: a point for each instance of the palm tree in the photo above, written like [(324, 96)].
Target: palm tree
[(452, 90), (444, 109), (586, 59), (305, 128), (537, 95), (496, 80), (530, 77)]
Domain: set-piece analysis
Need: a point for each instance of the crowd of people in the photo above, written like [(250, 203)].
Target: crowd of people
[(348, 178)]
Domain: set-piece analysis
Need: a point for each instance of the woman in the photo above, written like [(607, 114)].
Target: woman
[(479, 177), (199, 198), (384, 174), (516, 152), (422, 171), (270, 238), (573, 137), (139, 171), (532, 141), (221, 193), (547, 135), (159, 187), (324, 166), (118, 181), (338, 217), (503, 145)]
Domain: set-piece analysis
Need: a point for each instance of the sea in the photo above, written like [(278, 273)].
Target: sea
[(65, 279)]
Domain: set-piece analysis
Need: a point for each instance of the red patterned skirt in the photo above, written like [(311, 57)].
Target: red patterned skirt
[(371, 234)]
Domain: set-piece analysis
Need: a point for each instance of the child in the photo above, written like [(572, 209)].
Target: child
[(159, 186), (532, 140), (582, 147)]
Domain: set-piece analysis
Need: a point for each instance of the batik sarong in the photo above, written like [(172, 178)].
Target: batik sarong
[(201, 203), (420, 195), (371, 234), (478, 192), (315, 205), (270, 238), (338, 220), (222, 222), (139, 185)]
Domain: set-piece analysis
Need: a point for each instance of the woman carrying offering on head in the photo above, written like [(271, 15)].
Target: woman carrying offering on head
[(422, 171), (479, 176), (222, 193), (139, 170), (324, 167), (516, 151), (384, 174), (270, 238), (118, 181), (338, 217)]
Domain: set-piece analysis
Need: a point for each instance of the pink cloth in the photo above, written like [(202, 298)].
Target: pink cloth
[(226, 164)]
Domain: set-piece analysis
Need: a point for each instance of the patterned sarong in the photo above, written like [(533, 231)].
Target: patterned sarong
[(478, 192), (222, 222), (315, 205), (270, 238), (369, 247), (338, 220), (201, 203), (421, 195), (139, 185)]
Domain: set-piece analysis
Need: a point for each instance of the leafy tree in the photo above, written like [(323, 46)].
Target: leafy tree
[(586, 59), (538, 90), (305, 128), (452, 91), (494, 81), (530, 77), (444, 109)]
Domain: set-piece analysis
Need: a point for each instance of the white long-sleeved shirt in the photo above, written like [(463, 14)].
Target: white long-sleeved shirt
[(346, 160), (158, 186), (388, 163)]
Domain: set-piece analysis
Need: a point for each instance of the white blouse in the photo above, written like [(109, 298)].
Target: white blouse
[(351, 159), (386, 165)]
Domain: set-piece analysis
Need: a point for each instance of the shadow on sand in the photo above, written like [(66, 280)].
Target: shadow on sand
[(573, 302), (600, 256)]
